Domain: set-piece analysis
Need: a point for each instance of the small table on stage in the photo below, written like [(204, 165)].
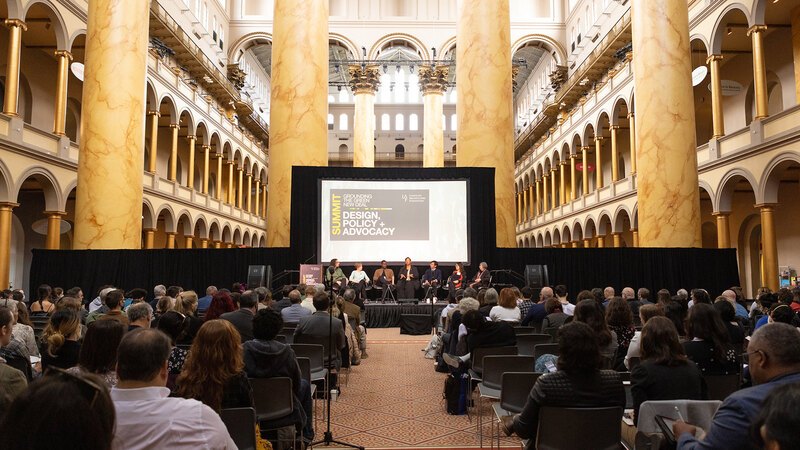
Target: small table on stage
[(388, 315)]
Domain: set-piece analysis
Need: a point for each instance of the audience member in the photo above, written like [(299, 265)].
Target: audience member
[(318, 325), (242, 318), (61, 338), (677, 313), (284, 301), (146, 416), (264, 298), (731, 296), (174, 325), (165, 304), (777, 423), (186, 304), (204, 302), (774, 360), (21, 332), (137, 295), (352, 311), (158, 291), (43, 303), (728, 315), (620, 321), (214, 369), (646, 312), (308, 301), (490, 299), (221, 303), (699, 296), (663, 297), (113, 301), (174, 291), (296, 311), (665, 372), (61, 410), (599, 297), (644, 296), (12, 380), (709, 345), (555, 314), (579, 382), (537, 313), (633, 303), (506, 309), (561, 293), (590, 313), (139, 316), (98, 353), (608, 294)]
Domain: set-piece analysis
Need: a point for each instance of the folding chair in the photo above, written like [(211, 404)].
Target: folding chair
[(490, 387), (520, 330), (514, 392), (241, 425), (274, 399), (552, 331), (599, 428), (477, 359), (318, 372), (545, 349), (527, 342), (305, 373)]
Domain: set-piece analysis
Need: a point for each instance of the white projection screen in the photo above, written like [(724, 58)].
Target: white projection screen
[(368, 221)]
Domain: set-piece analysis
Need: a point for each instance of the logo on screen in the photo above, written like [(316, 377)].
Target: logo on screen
[(379, 215)]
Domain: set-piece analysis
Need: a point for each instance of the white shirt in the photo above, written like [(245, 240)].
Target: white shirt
[(148, 418), (308, 303), (358, 275), (499, 313), (567, 307)]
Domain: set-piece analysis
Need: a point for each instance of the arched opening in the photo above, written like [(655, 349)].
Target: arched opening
[(737, 196), (782, 188), (736, 69), (605, 148), (623, 136), (399, 151), (45, 35), (75, 89), (779, 54), (709, 226), (704, 121), (588, 144)]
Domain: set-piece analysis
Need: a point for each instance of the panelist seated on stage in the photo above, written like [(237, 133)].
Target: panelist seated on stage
[(481, 279), (359, 280), (455, 280), (432, 279), (407, 279), (383, 278), (334, 276)]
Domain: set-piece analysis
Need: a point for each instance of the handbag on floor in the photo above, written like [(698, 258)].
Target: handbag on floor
[(456, 387)]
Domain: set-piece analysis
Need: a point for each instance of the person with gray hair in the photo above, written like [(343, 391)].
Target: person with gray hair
[(99, 302), (537, 312), (774, 360), (242, 318), (204, 302), (481, 279), (264, 297), (295, 311), (159, 291), (139, 316), (629, 296)]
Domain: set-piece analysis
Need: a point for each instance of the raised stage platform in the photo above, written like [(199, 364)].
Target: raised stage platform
[(388, 315)]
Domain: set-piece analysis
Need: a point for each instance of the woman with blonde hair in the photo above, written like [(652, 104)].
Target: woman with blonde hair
[(186, 304), (214, 369), (61, 339)]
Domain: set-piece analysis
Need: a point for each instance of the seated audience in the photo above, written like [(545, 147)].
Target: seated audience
[(242, 318), (113, 301), (663, 297), (204, 302), (608, 294), (537, 313), (318, 325), (98, 303), (524, 302), (777, 423), (665, 372), (296, 311), (308, 301), (63, 411), (98, 353), (158, 291), (644, 296), (560, 292), (186, 304), (12, 380), (174, 325), (264, 357), (137, 295), (728, 315), (699, 296), (214, 369), (709, 345), (555, 314), (487, 298), (633, 303), (646, 312), (61, 339), (352, 311), (774, 360), (139, 316), (146, 416), (590, 313), (43, 305), (620, 321), (783, 314), (265, 298), (675, 312), (221, 303), (579, 382), (506, 309), (480, 334), (23, 332), (165, 304)]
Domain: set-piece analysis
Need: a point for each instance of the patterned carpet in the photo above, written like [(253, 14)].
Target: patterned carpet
[(394, 400)]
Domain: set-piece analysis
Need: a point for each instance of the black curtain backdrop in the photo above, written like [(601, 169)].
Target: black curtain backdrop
[(653, 268)]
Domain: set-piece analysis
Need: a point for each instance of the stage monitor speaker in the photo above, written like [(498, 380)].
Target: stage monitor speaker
[(408, 301), (259, 276), (536, 276)]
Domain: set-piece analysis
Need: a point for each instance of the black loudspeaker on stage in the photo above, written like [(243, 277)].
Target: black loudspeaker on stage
[(259, 276), (536, 276)]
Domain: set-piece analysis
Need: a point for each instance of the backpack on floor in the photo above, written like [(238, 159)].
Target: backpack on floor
[(455, 393)]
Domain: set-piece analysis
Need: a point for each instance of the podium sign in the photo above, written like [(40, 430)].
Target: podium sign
[(311, 274)]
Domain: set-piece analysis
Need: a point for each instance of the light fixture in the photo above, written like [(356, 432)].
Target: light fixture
[(385, 68), (398, 68), (411, 69), (730, 30), (699, 74), (77, 69)]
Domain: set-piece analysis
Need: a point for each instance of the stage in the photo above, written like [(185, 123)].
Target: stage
[(388, 315)]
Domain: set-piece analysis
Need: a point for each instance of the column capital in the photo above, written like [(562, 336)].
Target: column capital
[(171, 233), (364, 79), (585, 148), (631, 115), (712, 58), (563, 163), (616, 233), (7, 206), (154, 113), (214, 155), (229, 162), (766, 206), (599, 138), (63, 54), (15, 23), (239, 169), (433, 79), (614, 127), (573, 156), (175, 126), (756, 29), (721, 213), (191, 137), (55, 213), (149, 230)]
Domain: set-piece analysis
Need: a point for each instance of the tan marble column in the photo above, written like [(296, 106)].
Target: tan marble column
[(538, 202), (149, 238), (239, 189), (545, 198), (219, 175), (553, 193), (53, 238), (562, 183), (173, 154), (601, 241), (217, 244), (532, 206), (192, 143), (632, 125), (723, 229), (171, 240), (264, 202), (617, 237), (108, 204), (525, 202), (519, 208), (231, 186), (598, 162), (203, 243), (635, 234), (249, 197), (188, 242), (298, 104), (669, 205), (364, 82), (484, 108), (151, 161), (796, 50), (573, 192), (717, 117), (6, 212), (60, 114), (206, 167), (769, 247), (585, 169), (756, 33), (574, 244), (587, 243), (614, 154), (433, 82), (11, 96), (258, 199)]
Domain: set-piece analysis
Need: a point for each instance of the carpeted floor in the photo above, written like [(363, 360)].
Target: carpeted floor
[(394, 400)]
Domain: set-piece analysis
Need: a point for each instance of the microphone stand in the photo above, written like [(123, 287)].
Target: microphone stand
[(328, 439)]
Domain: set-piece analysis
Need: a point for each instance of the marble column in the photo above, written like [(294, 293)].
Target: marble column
[(151, 161), (249, 197), (264, 196), (149, 238), (60, 114), (617, 237), (171, 240), (217, 244), (525, 202), (723, 229), (433, 81), (108, 204), (545, 198), (538, 203), (239, 189), (203, 243), (598, 162), (188, 242), (192, 143), (635, 234), (553, 193), (53, 238), (632, 139), (219, 176), (587, 242), (573, 193), (756, 33), (6, 212), (614, 154), (717, 117), (298, 104), (11, 95), (574, 244), (231, 193), (364, 81), (585, 169), (173, 154), (484, 108), (601, 241), (519, 208), (796, 50), (206, 167), (769, 247), (532, 206), (258, 199), (669, 205)]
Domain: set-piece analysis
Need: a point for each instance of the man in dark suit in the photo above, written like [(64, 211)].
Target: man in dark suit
[(481, 279), (431, 280), (319, 325), (242, 318)]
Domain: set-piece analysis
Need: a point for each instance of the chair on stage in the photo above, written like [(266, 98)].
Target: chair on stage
[(386, 291)]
